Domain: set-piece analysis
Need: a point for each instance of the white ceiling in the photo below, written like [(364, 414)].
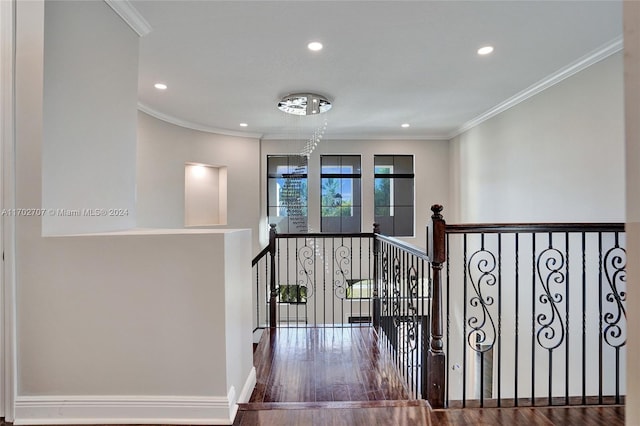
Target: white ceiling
[(384, 63)]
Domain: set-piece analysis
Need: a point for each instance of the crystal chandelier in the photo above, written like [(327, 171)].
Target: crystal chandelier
[(304, 104)]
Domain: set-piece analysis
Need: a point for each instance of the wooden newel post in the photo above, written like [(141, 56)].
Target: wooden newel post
[(376, 276), (273, 289), (436, 365)]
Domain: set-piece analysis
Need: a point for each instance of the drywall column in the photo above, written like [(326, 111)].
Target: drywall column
[(632, 112), (143, 326), (90, 119)]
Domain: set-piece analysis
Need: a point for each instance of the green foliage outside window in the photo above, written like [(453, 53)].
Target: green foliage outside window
[(333, 202), (382, 192), (292, 293)]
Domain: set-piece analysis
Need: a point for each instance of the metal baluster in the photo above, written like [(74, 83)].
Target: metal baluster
[(533, 319), (464, 322), (567, 345), (448, 317), (499, 320), (477, 347), (584, 320), (517, 324), (600, 377)]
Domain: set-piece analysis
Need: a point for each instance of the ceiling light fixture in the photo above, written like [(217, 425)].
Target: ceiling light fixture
[(243, 125), (304, 104), (405, 125), (485, 50), (160, 86), (315, 46)]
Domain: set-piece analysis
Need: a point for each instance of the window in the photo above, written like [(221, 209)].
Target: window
[(287, 192), (340, 193), (393, 194)]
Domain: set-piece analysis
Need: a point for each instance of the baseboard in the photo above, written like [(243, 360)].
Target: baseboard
[(245, 393), (132, 409), (248, 387), (55, 410)]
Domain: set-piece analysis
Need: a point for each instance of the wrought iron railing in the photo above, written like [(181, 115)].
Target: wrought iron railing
[(535, 314), (347, 280), (527, 314), (402, 309), (314, 279)]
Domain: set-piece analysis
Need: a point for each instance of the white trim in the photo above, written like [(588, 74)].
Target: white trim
[(58, 410), (586, 61), (193, 126), (7, 200), (247, 389), (132, 409), (245, 393), (131, 16), (367, 137)]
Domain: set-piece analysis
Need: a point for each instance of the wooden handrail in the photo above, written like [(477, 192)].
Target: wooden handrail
[(328, 235), (259, 256), (409, 248), (515, 228)]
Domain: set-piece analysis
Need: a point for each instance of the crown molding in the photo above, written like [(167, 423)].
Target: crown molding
[(194, 126), (586, 61), (131, 16), (365, 137)]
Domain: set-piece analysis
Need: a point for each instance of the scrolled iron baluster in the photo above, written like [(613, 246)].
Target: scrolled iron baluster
[(481, 266), (342, 256), (552, 330), (615, 263), (395, 304), (306, 258), (412, 325), (385, 283)]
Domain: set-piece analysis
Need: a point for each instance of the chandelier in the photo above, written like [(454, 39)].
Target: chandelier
[(304, 104)]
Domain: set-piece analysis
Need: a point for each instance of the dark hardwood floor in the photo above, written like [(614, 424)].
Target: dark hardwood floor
[(363, 413), (324, 364), (340, 376), (419, 413)]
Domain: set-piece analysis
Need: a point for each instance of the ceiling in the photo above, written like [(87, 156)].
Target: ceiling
[(384, 63)]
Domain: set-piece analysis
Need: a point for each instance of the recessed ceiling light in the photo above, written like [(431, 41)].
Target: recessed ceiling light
[(405, 125), (485, 50), (243, 124), (160, 86), (315, 46)]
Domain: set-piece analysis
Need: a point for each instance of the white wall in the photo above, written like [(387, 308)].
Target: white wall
[(90, 100), (163, 149), (632, 112), (123, 328), (558, 156), (430, 169)]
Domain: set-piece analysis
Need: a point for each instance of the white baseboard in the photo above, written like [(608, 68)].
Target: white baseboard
[(247, 389), (246, 392), (132, 409)]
